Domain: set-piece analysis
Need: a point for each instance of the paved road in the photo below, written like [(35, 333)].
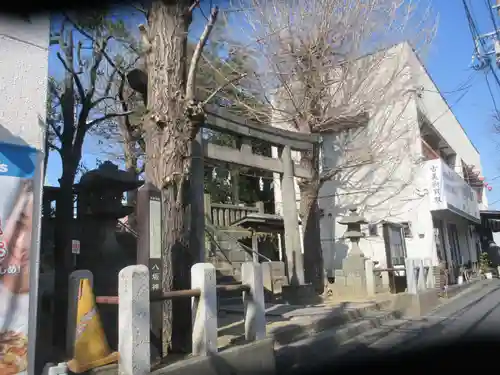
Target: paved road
[(475, 312)]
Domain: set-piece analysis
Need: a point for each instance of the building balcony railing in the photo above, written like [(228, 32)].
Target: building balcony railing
[(449, 191)]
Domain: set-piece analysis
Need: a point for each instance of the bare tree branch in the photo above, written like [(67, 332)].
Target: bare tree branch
[(193, 66), (107, 117), (54, 147), (196, 4), (222, 87), (79, 86)]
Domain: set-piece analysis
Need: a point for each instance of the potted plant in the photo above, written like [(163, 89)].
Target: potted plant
[(485, 265)]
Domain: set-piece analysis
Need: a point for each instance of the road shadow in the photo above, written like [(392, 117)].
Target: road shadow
[(298, 324), (322, 351), (324, 347), (439, 356)]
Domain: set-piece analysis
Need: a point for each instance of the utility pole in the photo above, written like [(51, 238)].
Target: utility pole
[(487, 46)]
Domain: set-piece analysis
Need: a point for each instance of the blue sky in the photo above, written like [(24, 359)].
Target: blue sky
[(449, 65), (448, 62)]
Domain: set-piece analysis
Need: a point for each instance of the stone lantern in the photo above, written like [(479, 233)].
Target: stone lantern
[(355, 277), (353, 232)]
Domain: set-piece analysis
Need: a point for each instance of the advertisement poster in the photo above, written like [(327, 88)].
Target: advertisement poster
[(19, 247)]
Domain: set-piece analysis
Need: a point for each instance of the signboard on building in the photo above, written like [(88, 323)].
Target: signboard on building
[(20, 211), (448, 190)]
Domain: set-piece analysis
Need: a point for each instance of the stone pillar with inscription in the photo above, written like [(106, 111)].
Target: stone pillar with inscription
[(148, 213)]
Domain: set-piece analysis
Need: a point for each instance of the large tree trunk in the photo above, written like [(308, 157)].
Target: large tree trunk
[(310, 216), (168, 135), (313, 255)]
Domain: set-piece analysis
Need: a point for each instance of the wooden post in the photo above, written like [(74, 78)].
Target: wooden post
[(295, 268)]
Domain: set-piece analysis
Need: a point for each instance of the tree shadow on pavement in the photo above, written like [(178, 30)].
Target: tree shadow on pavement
[(330, 346), (299, 327)]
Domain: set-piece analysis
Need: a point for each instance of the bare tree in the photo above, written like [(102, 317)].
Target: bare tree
[(174, 114), (75, 113), (327, 66)]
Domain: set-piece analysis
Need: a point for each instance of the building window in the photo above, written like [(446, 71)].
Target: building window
[(407, 229), (372, 230)]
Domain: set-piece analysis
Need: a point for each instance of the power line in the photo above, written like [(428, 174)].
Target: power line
[(491, 92), (492, 15), (483, 55)]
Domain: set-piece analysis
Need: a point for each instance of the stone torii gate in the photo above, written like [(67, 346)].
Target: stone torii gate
[(286, 141), (219, 120)]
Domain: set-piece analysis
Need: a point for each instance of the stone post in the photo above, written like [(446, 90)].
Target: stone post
[(295, 266), (267, 280), (73, 289), (430, 282), (386, 282), (411, 280), (204, 309), (60, 369), (370, 278), (255, 313), (134, 321), (421, 282)]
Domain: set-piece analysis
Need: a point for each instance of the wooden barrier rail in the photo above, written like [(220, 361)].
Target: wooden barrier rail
[(186, 293)]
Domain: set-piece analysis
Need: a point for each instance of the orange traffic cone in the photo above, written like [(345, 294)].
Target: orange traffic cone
[(91, 347)]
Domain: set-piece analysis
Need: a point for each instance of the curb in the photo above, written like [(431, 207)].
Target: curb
[(462, 289)]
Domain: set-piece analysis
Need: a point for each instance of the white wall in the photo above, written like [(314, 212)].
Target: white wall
[(393, 187), (442, 118), (23, 79)]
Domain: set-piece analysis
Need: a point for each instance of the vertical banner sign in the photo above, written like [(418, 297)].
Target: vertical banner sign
[(20, 193), (149, 254), (155, 244)]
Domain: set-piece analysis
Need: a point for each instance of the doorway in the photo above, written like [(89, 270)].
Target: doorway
[(395, 251), (440, 241), (454, 247)]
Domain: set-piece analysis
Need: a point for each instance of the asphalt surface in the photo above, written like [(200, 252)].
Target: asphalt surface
[(467, 321), (474, 314)]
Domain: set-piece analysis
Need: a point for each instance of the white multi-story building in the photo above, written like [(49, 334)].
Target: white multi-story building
[(407, 164)]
